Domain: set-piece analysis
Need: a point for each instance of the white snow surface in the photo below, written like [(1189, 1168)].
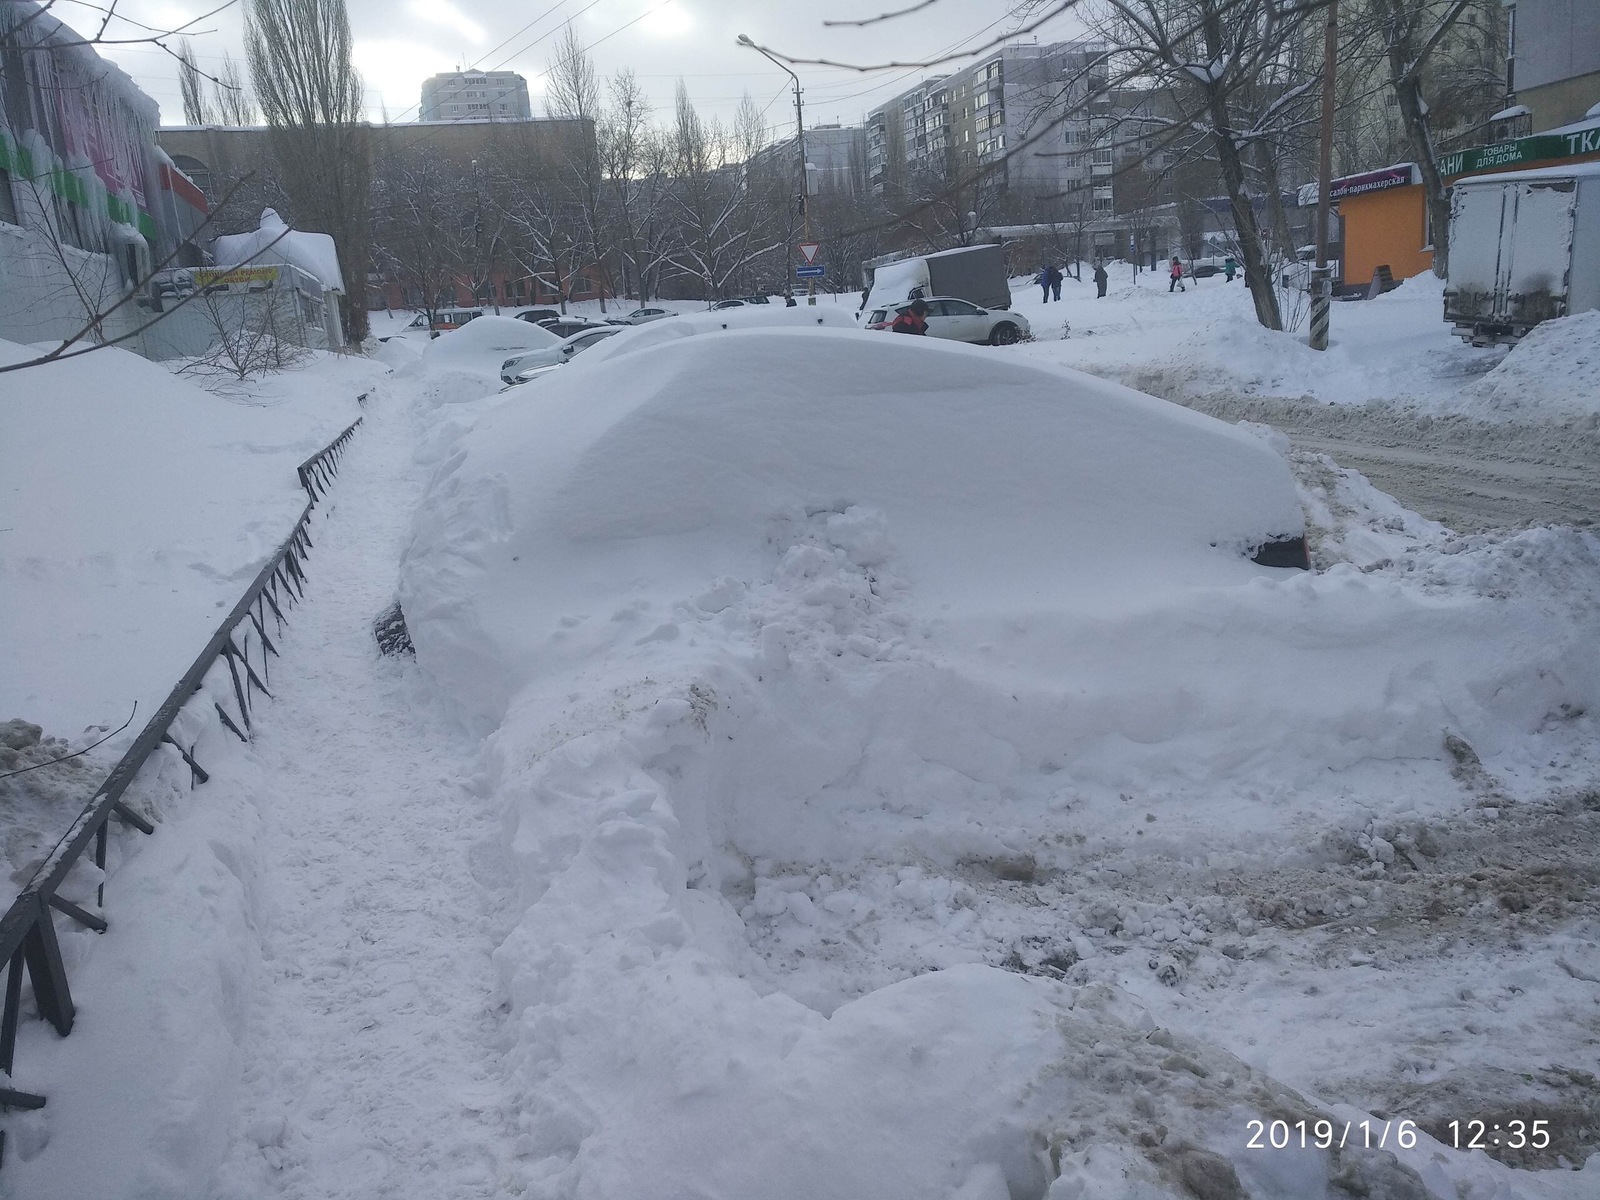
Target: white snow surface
[(872, 782), (274, 242), (135, 507)]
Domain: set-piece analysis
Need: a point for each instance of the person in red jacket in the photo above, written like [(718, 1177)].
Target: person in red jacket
[(1176, 274), (912, 319)]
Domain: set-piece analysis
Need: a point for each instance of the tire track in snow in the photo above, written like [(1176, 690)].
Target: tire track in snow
[(372, 1061)]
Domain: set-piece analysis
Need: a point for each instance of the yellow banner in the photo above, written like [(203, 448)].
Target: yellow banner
[(212, 276)]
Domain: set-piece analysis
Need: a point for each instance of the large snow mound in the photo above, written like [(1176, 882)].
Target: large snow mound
[(754, 316), (485, 342), (1003, 487), (1550, 371)]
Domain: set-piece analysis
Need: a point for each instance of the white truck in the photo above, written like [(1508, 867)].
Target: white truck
[(975, 273), (1524, 248)]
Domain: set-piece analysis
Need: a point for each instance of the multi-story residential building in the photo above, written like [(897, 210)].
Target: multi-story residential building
[(835, 159), (1555, 60), (1025, 112), (476, 96)]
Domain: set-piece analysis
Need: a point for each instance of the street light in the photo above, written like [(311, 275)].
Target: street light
[(800, 130)]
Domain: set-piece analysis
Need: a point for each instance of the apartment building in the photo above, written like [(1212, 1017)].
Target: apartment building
[(1025, 113), (475, 96), (835, 159)]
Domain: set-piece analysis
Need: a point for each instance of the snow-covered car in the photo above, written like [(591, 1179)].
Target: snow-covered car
[(537, 316), (519, 369), (643, 316), (565, 327), (960, 321), (740, 302)]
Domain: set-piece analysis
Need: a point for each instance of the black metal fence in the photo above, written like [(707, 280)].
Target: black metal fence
[(244, 644)]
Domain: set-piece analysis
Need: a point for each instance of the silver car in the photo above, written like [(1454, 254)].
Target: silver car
[(515, 370)]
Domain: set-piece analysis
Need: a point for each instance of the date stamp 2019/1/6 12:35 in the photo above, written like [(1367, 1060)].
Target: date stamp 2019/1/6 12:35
[(1402, 1134)]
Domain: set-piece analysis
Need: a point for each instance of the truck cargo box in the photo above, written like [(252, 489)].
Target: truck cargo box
[(1524, 248)]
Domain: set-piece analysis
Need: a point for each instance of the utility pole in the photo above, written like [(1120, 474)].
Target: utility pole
[(805, 177), (1322, 277)]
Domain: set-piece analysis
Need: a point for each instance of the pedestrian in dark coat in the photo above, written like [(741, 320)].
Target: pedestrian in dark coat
[(1100, 280), (1055, 282), (1044, 281)]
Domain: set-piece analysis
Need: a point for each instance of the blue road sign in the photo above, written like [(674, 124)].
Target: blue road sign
[(816, 272)]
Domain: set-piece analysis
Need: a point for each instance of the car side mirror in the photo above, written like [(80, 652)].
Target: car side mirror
[(569, 349)]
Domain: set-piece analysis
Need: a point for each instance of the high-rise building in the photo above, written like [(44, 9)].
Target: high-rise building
[(476, 96)]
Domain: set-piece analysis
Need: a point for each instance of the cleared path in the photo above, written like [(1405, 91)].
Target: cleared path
[(372, 1048)]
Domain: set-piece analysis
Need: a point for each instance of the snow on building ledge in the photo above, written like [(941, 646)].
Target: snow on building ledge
[(275, 242)]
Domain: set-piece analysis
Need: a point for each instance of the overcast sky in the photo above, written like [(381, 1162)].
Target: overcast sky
[(399, 43)]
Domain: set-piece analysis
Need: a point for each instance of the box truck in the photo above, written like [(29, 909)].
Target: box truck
[(1524, 248), (975, 273)]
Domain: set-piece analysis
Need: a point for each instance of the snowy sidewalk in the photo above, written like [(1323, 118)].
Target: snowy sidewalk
[(371, 1058)]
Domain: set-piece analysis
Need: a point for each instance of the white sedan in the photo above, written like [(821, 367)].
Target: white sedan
[(515, 370), (642, 316), (960, 321)]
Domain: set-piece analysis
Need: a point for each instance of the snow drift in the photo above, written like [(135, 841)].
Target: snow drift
[(1002, 488)]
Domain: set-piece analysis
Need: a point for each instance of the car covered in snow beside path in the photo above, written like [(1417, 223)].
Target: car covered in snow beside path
[(959, 321), (518, 369)]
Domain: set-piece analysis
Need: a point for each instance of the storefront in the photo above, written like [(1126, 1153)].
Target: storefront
[(1385, 220)]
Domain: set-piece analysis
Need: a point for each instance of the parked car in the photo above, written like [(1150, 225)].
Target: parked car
[(538, 316), (565, 327), (524, 366), (643, 316), (445, 319), (960, 321), (740, 302)]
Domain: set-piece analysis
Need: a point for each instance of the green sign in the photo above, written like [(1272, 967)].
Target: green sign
[(1529, 149)]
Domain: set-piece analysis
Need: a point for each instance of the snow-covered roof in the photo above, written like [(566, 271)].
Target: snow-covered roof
[(275, 242), (1585, 170), (42, 28), (1516, 110)]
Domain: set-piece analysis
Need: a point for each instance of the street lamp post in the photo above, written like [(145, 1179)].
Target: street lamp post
[(800, 138)]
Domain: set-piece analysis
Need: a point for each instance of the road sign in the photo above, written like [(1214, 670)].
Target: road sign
[(808, 251), (816, 272)]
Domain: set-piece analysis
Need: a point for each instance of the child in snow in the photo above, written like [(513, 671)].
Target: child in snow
[(1177, 276), (1100, 279)]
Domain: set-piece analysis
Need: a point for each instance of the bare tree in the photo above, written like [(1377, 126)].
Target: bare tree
[(1210, 57), (621, 140), (231, 96), (300, 63), (573, 95), (252, 334), (419, 238), (1410, 31), (191, 85), (718, 230)]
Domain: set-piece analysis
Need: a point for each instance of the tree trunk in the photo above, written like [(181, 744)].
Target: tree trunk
[(1419, 132), (1257, 270)]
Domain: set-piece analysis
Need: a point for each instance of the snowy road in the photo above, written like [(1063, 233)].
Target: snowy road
[(370, 1061), (1471, 475)]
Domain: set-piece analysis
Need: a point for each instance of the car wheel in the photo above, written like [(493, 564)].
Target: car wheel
[(1004, 334)]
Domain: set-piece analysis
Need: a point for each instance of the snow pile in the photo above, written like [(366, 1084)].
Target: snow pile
[(805, 649), (1551, 371), (275, 242), (1003, 487), (463, 364), (754, 316), (135, 507)]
